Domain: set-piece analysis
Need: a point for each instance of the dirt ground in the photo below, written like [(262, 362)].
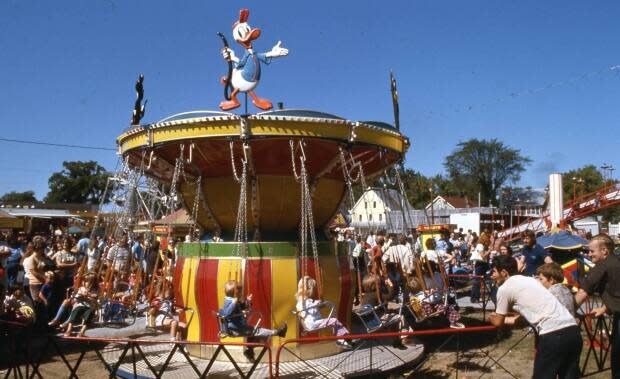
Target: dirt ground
[(513, 349)]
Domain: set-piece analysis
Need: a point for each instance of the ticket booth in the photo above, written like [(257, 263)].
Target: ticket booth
[(433, 231)]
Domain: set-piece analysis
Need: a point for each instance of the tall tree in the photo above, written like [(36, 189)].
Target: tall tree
[(78, 182), (485, 164), (18, 197), (581, 181), (418, 187)]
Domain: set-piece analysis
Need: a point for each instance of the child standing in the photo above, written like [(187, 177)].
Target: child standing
[(552, 278), (46, 295)]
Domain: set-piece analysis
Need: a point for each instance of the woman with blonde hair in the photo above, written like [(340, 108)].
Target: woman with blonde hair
[(309, 310)]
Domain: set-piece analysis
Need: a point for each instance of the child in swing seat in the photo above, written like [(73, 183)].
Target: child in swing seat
[(309, 310), (19, 307), (162, 313), (237, 322), (424, 305)]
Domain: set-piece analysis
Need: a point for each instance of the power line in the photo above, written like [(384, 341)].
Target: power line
[(532, 91), (57, 144)]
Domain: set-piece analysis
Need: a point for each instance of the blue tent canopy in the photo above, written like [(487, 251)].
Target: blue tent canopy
[(74, 230), (561, 240)]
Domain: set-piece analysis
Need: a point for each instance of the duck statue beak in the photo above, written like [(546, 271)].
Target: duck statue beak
[(251, 36)]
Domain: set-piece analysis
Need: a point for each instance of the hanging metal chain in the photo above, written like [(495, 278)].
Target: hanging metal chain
[(194, 215), (292, 145), (359, 178), (241, 229), (347, 169), (403, 194), (241, 226), (307, 219), (232, 162), (178, 171), (388, 179), (362, 178), (347, 179)]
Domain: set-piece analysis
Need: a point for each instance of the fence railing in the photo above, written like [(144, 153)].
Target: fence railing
[(149, 357)]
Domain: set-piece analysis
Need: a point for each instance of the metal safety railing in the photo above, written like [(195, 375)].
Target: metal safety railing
[(154, 358), (485, 290), (598, 342), (26, 362)]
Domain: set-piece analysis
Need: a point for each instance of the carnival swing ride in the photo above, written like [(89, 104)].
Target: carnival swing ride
[(269, 183)]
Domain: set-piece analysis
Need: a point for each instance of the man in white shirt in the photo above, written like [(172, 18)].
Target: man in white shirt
[(370, 240), (559, 338), (399, 254)]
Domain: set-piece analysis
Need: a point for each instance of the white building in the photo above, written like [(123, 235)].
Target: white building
[(373, 208)]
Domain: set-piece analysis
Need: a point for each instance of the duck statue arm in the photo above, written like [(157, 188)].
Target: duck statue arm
[(229, 55), (277, 51)]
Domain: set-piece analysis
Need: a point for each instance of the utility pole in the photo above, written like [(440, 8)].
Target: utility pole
[(607, 171), (576, 181)]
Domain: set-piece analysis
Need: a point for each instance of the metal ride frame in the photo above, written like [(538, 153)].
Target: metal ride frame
[(132, 348), (598, 333), (484, 289)]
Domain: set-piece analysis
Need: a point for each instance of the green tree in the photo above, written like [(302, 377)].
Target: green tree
[(485, 166), (18, 197), (78, 182), (587, 179), (417, 187)]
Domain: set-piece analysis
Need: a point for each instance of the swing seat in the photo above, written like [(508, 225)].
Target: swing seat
[(118, 312), (305, 329), (445, 298), (225, 331), (416, 309), (372, 321)]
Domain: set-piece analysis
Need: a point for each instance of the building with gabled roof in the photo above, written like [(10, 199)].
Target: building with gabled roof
[(371, 211), (450, 202)]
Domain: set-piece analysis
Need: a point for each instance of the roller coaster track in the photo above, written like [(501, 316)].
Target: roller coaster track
[(582, 206)]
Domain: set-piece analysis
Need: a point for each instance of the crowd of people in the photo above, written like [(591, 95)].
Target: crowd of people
[(62, 281), (527, 286)]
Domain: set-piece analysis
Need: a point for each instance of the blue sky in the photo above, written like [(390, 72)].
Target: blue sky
[(464, 69)]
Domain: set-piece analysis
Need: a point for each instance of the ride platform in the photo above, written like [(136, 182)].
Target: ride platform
[(373, 358)]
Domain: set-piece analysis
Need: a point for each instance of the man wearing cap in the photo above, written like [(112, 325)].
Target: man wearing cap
[(604, 278)]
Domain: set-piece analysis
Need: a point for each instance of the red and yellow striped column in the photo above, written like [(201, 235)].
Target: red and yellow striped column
[(270, 273)]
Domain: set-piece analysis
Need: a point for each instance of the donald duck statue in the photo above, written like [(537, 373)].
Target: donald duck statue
[(246, 73)]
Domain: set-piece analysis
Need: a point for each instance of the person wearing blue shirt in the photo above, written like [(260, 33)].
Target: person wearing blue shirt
[(533, 255), (137, 250), (82, 246), (13, 262), (236, 320)]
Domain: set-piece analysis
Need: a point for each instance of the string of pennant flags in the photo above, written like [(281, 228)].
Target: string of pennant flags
[(532, 91)]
